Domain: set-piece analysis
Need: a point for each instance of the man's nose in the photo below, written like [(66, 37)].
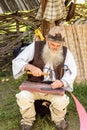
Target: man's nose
[(55, 47)]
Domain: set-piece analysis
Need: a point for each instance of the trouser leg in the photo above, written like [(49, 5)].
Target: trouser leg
[(58, 107), (25, 101)]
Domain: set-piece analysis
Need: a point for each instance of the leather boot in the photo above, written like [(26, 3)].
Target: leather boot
[(62, 125), (25, 127)]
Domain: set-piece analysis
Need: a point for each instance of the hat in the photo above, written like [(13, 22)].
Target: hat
[(55, 34), (57, 37)]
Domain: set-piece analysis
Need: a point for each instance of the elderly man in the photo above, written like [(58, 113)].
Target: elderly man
[(56, 60)]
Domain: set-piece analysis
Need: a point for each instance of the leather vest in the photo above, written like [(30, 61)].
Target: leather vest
[(38, 61)]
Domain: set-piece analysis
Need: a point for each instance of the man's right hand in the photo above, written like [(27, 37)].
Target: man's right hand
[(35, 71)]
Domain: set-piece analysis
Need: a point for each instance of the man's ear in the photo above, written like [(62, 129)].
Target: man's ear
[(71, 11)]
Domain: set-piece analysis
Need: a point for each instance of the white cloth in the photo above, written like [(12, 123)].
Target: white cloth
[(27, 55), (78, 1)]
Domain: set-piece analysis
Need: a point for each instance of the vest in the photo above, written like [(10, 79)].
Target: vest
[(38, 61)]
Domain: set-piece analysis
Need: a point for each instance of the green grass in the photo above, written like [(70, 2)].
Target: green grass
[(9, 112)]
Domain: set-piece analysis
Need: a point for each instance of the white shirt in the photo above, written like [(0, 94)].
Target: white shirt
[(27, 55)]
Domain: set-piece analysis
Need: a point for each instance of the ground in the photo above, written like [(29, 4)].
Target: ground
[(9, 111)]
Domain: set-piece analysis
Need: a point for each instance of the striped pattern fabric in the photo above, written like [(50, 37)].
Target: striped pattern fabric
[(54, 10)]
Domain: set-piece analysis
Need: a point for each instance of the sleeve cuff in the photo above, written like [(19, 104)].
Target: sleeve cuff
[(65, 83), (67, 86)]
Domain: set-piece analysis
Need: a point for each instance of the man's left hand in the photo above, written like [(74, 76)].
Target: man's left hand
[(57, 84)]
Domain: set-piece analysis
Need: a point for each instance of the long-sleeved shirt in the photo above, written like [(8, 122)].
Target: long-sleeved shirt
[(70, 70)]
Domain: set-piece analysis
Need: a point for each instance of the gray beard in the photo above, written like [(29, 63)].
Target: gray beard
[(52, 57)]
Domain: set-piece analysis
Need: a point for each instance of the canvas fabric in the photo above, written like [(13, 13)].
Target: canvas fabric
[(25, 101), (55, 10)]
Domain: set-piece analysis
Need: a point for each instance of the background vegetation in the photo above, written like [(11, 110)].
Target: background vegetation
[(18, 26)]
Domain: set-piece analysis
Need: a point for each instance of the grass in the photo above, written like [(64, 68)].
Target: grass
[(9, 112)]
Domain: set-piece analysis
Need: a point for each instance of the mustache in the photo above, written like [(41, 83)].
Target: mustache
[(52, 57)]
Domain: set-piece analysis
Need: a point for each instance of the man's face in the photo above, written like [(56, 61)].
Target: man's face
[(54, 45)]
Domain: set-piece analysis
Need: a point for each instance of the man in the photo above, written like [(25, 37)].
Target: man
[(55, 60)]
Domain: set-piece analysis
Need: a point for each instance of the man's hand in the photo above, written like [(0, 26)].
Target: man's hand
[(57, 84), (35, 71)]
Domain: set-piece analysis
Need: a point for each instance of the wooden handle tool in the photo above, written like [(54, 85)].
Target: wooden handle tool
[(43, 74)]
